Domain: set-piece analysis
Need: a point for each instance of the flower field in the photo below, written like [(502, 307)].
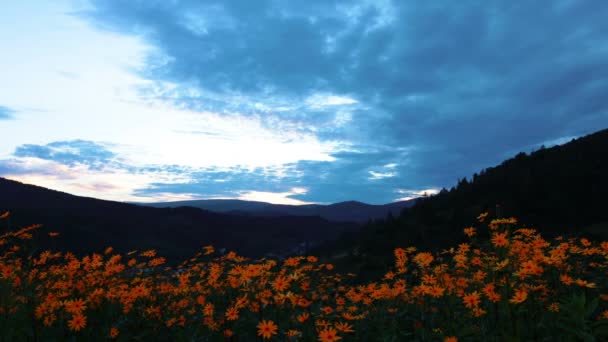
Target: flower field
[(512, 286)]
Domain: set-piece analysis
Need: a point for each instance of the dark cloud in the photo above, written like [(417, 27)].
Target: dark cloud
[(6, 113), (70, 153), (459, 84)]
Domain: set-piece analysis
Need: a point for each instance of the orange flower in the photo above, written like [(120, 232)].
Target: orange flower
[(48, 320), (423, 259), (266, 329), (520, 296), (293, 262), (77, 322), (329, 335), (150, 253), (470, 232), (584, 283), (450, 339), (566, 279), (75, 306), (303, 302), (327, 310), (471, 300), (436, 291), (500, 239), (156, 262), (208, 309), (400, 253), (344, 327), (114, 332), (280, 284), (232, 314), (292, 333), (209, 250), (303, 317)]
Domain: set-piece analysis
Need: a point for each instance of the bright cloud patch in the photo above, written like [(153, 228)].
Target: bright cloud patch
[(275, 197), (381, 175), (411, 194), (319, 101)]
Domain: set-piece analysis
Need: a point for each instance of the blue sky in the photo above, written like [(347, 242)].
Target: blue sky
[(290, 101)]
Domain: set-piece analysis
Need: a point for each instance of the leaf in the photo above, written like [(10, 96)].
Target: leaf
[(591, 307)]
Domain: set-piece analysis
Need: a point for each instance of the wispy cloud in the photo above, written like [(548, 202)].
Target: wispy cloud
[(6, 113), (73, 152)]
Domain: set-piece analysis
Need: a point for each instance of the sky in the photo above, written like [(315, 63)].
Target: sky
[(293, 102)]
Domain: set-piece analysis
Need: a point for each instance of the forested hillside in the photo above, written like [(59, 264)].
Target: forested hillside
[(558, 190)]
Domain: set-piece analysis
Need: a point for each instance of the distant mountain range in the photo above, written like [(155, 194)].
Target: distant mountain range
[(559, 190), (350, 211), (89, 224)]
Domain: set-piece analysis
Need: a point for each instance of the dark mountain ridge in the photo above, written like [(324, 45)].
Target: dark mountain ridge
[(349, 211), (89, 224)]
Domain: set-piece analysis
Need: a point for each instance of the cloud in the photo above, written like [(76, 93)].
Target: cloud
[(468, 82), (6, 113), (381, 175), (69, 153), (318, 101), (347, 99), (406, 195), (274, 197)]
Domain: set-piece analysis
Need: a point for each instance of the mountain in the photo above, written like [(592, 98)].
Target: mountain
[(557, 190), (89, 224), (351, 211)]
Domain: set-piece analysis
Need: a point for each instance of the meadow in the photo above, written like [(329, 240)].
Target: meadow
[(507, 283)]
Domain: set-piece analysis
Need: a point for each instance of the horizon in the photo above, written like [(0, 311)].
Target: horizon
[(284, 103)]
